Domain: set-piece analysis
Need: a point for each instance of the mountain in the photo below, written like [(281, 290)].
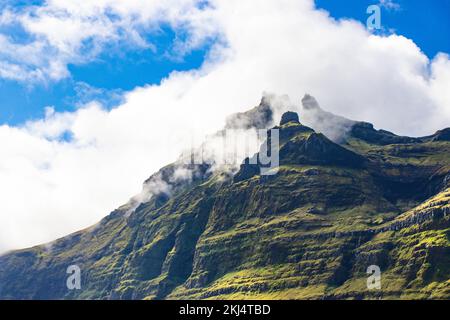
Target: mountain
[(335, 206)]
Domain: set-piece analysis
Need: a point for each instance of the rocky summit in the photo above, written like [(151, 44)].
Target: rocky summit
[(289, 117), (332, 211)]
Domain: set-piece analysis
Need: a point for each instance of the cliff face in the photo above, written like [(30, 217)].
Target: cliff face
[(309, 231)]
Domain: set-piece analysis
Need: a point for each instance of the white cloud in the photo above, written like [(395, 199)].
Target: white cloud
[(390, 5), (53, 186), (63, 32)]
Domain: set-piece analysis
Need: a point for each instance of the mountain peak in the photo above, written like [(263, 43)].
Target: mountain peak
[(309, 102), (289, 117), (259, 117)]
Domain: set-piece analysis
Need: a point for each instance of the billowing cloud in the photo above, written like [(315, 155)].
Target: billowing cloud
[(390, 5), (68, 170), (63, 32)]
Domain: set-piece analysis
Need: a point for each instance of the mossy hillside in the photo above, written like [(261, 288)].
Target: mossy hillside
[(407, 174), (308, 232), (97, 250)]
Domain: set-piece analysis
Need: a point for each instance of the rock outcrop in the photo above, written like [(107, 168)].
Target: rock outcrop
[(289, 117)]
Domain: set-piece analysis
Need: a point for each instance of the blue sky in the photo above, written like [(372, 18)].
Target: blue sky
[(109, 74), (102, 79), (425, 22)]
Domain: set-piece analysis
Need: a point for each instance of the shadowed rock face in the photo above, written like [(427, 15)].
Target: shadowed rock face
[(441, 135), (309, 232), (301, 145), (289, 117), (365, 131)]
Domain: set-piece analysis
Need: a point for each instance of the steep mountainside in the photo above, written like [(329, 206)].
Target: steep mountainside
[(307, 232)]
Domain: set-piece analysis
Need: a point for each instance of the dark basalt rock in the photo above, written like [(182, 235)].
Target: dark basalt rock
[(442, 135), (289, 117), (365, 131), (316, 149), (300, 145)]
